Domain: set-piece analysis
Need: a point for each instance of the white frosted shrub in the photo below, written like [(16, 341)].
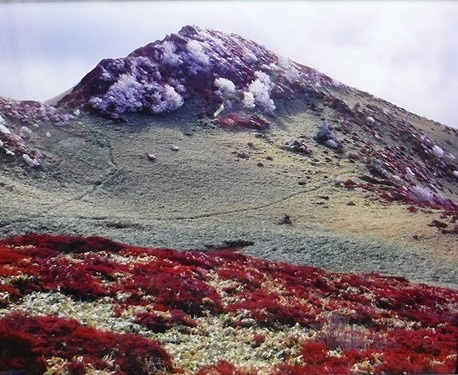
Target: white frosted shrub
[(117, 65), (225, 85), (284, 62), (169, 100), (291, 72), (25, 132), (180, 89), (248, 56), (169, 55), (142, 62), (125, 95), (142, 67), (260, 89), (263, 77), (423, 194), (197, 52), (32, 162), (4, 129), (248, 100), (437, 151), (106, 76), (410, 175), (97, 103)]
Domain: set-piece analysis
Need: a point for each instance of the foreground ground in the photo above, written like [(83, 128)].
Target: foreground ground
[(91, 305)]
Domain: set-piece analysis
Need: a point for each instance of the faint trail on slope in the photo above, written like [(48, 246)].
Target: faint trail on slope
[(97, 185), (216, 213)]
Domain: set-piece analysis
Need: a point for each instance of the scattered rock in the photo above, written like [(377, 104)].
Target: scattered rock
[(295, 145), (326, 137), (233, 120), (241, 154), (151, 156), (438, 224), (230, 244), (353, 156), (332, 143), (374, 180), (174, 148), (370, 120), (377, 168), (285, 220)]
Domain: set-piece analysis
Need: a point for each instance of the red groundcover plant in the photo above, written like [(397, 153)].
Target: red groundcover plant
[(71, 305), (27, 341)]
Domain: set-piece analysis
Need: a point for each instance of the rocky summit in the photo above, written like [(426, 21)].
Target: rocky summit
[(323, 221)]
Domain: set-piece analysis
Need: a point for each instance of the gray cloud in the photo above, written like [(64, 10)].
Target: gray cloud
[(405, 52)]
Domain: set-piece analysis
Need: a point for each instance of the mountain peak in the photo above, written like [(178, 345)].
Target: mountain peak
[(235, 82), (223, 69)]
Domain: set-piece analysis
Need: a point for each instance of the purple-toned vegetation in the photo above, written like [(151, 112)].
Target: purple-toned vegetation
[(16, 118), (412, 169), (223, 69)]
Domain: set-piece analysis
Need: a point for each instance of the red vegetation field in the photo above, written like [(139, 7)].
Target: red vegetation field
[(77, 305)]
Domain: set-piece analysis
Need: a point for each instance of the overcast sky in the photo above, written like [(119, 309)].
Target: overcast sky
[(403, 51)]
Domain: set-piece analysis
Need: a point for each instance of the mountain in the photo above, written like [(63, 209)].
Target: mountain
[(219, 68), (209, 141), (206, 137)]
